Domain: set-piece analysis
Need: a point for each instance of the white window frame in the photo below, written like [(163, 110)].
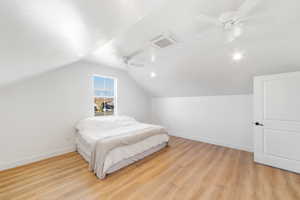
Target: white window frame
[(115, 93)]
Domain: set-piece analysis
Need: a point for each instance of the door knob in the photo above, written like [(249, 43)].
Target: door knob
[(258, 124)]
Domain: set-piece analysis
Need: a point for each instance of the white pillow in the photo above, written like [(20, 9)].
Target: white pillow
[(105, 122)]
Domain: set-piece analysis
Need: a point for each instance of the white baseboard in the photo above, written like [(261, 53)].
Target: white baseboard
[(212, 141), (31, 159)]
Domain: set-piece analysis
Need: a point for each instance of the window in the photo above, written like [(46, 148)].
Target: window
[(104, 95)]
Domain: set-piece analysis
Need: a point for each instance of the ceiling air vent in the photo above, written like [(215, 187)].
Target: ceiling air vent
[(163, 41)]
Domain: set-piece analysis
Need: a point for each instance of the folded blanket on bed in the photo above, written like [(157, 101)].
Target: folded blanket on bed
[(105, 145)]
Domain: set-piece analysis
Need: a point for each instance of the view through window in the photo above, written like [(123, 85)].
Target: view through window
[(104, 95)]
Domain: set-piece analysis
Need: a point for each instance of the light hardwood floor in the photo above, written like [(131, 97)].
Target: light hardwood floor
[(185, 170)]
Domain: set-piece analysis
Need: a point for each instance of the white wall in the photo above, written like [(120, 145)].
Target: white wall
[(222, 120), (37, 116)]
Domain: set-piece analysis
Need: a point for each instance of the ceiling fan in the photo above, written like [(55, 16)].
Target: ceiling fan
[(129, 61), (231, 22)]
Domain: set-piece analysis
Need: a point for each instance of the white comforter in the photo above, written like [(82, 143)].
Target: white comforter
[(90, 132)]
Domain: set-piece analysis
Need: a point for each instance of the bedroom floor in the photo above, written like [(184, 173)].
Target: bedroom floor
[(185, 170)]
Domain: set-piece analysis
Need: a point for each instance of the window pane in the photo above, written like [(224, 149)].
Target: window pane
[(109, 85), (99, 93), (99, 82)]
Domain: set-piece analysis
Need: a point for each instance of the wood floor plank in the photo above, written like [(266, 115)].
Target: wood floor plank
[(185, 170)]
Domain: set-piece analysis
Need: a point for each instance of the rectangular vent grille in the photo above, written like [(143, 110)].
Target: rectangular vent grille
[(163, 41)]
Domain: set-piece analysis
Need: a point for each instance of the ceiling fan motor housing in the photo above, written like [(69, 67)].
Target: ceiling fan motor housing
[(229, 20)]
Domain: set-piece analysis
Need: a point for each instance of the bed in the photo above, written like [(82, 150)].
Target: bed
[(112, 142)]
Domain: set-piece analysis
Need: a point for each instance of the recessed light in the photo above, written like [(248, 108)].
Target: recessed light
[(237, 56), (152, 74)]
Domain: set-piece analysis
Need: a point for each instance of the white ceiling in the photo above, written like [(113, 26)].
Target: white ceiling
[(201, 63), (37, 36)]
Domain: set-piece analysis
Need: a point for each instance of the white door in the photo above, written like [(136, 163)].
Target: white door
[(277, 120)]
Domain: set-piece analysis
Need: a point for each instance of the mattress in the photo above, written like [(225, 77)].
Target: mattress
[(124, 155)]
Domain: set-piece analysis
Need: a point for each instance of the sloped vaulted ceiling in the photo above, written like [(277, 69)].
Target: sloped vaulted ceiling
[(201, 62), (38, 35)]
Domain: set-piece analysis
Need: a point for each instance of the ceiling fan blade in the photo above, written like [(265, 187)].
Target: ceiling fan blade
[(136, 65), (208, 19), (246, 8), (135, 53)]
